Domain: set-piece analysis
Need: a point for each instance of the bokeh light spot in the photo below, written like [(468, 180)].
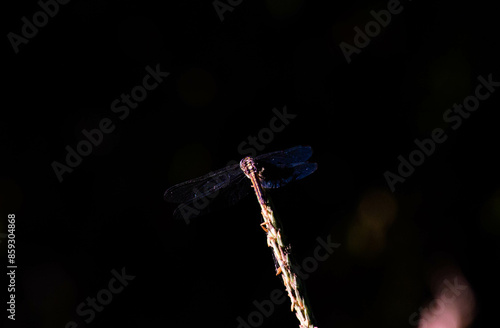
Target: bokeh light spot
[(376, 211)]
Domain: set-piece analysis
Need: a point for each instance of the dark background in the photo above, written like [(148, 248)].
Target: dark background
[(225, 79)]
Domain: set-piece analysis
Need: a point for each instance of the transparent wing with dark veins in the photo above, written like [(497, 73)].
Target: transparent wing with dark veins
[(225, 197), (204, 185)]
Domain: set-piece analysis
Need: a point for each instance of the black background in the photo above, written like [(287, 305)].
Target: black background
[(225, 79)]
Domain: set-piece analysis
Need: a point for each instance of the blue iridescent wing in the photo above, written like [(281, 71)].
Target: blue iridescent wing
[(279, 168), (296, 154)]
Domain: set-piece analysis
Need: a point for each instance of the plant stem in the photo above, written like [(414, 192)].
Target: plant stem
[(280, 251)]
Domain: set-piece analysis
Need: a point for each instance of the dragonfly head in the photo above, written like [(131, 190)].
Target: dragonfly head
[(248, 166)]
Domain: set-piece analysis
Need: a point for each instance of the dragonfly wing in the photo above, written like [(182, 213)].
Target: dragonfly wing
[(287, 174), (224, 197), (202, 186), (296, 154), (228, 185)]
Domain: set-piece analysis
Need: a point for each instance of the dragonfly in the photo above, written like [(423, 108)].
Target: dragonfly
[(226, 186)]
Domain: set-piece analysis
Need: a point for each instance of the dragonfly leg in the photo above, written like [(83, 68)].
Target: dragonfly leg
[(278, 271), (261, 174), (262, 226)]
